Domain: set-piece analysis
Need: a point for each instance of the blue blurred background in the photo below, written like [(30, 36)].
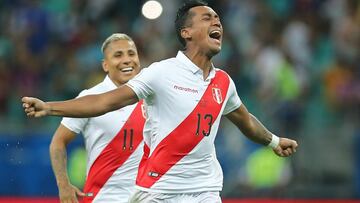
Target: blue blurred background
[(295, 63)]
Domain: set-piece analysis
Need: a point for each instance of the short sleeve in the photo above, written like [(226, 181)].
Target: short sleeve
[(145, 82), (76, 125), (233, 101)]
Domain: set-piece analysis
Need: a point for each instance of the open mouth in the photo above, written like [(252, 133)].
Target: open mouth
[(216, 35), (127, 69)]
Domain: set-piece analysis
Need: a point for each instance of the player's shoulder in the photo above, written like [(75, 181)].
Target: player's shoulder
[(97, 89), (221, 71), (170, 60), (160, 66), (163, 63)]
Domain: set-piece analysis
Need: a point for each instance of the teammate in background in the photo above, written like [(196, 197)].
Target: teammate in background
[(113, 141), (185, 98)]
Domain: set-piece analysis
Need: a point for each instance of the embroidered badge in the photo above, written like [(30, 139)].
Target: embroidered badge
[(143, 110), (216, 92)]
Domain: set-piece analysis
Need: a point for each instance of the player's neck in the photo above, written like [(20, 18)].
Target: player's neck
[(201, 60), (116, 83)]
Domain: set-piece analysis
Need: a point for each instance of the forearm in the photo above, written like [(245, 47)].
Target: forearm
[(58, 158), (250, 126), (93, 105), (257, 131), (83, 107)]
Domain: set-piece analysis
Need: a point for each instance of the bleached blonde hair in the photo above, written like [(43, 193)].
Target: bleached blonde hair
[(115, 37)]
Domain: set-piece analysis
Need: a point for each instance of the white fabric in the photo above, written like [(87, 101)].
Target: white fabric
[(200, 197), (171, 89), (98, 132), (275, 140)]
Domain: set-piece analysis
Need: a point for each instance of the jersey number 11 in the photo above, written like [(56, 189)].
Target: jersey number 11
[(131, 138)]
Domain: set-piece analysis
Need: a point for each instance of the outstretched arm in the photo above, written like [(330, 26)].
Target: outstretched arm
[(62, 137), (82, 107), (254, 130)]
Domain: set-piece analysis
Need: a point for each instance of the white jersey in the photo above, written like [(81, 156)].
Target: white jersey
[(112, 163), (183, 115)]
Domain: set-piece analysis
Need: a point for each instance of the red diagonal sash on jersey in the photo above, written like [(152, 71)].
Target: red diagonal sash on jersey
[(115, 153), (187, 134), (144, 158)]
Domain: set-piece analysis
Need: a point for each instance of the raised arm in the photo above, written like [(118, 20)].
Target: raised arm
[(254, 130), (82, 107)]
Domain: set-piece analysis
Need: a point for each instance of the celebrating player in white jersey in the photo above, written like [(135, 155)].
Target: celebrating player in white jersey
[(114, 141), (185, 98)]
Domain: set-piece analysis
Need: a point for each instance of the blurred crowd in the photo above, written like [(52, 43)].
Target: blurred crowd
[(296, 64)]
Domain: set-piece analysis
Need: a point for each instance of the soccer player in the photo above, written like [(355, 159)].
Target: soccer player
[(185, 97), (113, 141)]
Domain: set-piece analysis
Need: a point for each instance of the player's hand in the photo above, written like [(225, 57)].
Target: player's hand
[(69, 193), (34, 107), (286, 147)]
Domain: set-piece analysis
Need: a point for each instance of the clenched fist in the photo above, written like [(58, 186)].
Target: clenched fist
[(34, 107), (286, 147)]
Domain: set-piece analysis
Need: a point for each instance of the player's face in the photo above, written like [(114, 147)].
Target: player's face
[(121, 61), (206, 30)]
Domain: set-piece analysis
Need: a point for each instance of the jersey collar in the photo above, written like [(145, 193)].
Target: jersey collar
[(109, 83), (191, 66)]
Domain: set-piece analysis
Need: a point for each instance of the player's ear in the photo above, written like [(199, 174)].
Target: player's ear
[(185, 33), (105, 66)]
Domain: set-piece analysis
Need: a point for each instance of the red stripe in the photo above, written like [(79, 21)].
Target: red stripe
[(144, 157), (169, 151), (56, 200), (114, 155), (289, 201)]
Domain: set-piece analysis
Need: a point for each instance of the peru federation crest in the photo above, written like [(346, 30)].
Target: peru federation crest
[(143, 110), (216, 92)]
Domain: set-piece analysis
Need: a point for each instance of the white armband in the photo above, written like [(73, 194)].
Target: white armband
[(274, 141)]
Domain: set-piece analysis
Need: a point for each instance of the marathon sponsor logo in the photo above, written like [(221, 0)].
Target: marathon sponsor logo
[(186, 89)]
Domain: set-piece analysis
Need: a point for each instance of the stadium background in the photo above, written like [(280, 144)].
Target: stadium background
[(295, 63)]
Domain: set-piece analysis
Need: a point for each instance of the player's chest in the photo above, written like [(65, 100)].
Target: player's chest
[(187, 92), (112, 122)]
